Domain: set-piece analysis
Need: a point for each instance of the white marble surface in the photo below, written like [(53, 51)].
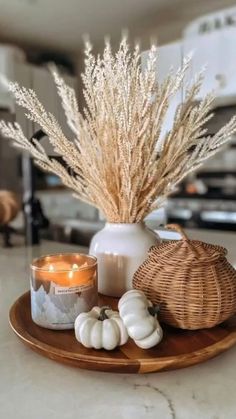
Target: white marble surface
[(33, 387)]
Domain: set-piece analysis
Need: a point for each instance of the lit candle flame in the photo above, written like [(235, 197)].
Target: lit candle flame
[(70, 274), (74, 266), (51, 268)]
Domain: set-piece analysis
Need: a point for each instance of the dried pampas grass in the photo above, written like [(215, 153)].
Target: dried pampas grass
[(121, 162)]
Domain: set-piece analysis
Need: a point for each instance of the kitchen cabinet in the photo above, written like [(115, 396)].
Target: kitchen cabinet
[(22, 74), (44, 87), (216, 51), (41, 81), (10, 56), (169, 56), (9, 156), (43, 84), (206, 53), (72, 82), (227, 67)]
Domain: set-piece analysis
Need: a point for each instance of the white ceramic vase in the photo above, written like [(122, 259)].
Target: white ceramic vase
[(120, 250)]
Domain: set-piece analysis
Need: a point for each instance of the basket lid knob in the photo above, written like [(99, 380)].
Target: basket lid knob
[(190, 251), (178, 229)]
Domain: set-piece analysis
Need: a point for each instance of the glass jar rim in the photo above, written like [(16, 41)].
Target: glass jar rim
[(79, 269)]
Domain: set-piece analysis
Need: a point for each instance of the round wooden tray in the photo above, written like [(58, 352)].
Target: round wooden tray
[(178, 349)]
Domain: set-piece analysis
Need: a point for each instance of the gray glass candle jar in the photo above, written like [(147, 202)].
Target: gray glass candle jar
[(62, 286)]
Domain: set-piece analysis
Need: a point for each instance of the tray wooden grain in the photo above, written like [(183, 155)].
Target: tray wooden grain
[(178, 349)]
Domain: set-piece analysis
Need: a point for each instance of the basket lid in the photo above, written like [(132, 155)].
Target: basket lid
[(186, 250)]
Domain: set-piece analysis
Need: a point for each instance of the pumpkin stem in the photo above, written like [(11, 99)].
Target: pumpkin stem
[(154, 310), (103, 315)]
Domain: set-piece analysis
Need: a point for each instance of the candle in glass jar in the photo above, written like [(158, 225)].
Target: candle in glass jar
[(62, 286)]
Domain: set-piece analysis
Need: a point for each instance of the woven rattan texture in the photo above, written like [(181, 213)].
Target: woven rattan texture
[(193, 282)]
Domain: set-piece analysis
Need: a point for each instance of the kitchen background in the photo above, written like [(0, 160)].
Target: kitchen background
[(36, 32)]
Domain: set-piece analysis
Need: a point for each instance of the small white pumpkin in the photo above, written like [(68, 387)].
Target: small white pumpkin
[(100, 328), (139, 317)]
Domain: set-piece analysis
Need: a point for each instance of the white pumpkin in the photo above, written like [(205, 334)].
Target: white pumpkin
[(139, 317), (100, 328)]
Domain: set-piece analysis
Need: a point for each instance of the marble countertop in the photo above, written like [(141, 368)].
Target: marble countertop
[(33, 387)]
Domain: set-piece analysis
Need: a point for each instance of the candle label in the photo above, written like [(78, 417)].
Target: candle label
[(73, 290)]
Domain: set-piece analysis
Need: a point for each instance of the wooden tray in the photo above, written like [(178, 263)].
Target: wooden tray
[(178, 349)]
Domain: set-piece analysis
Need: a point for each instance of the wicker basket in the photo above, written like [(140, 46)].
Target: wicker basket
[(192, 280)]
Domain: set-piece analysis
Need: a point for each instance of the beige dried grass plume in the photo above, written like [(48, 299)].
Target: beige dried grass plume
[(122, 163)]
